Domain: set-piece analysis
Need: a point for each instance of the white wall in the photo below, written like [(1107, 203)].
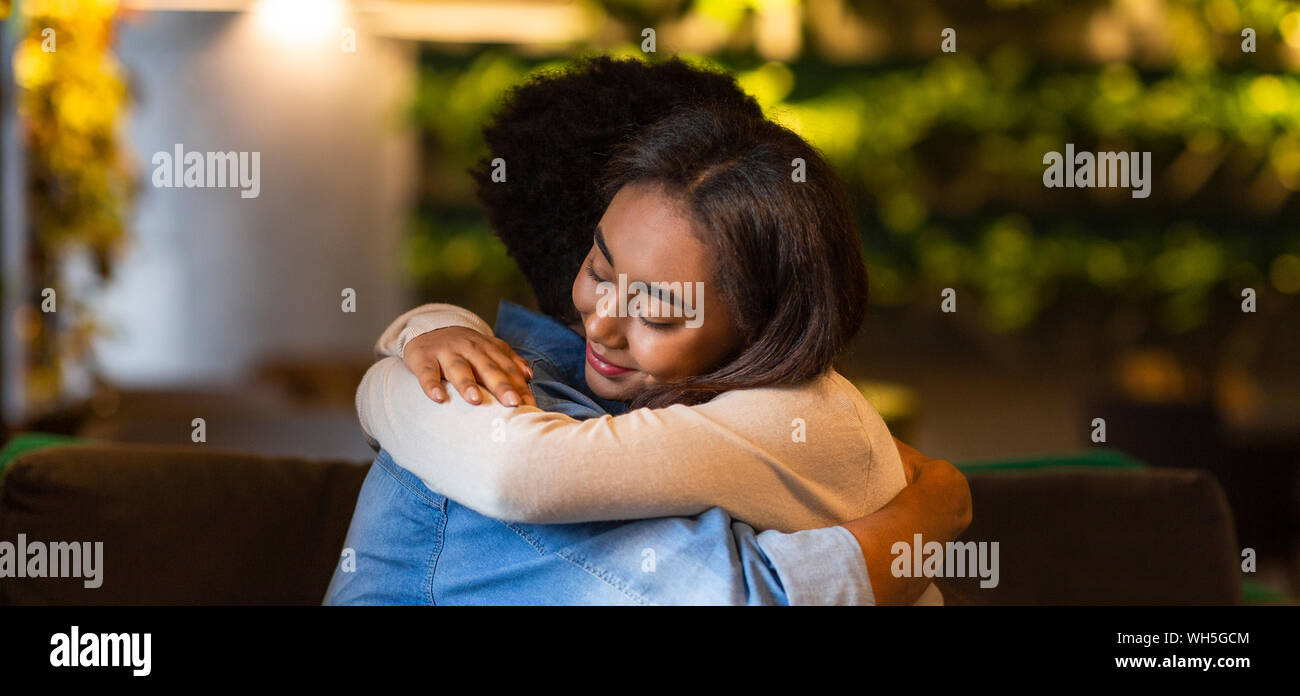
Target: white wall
[(213, 282)]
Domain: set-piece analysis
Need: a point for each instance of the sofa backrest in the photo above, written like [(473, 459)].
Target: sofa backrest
[(180, 525), (187, 525), (1099, 536)]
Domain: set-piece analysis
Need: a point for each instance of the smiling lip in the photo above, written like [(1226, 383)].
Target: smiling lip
[(602, 366)]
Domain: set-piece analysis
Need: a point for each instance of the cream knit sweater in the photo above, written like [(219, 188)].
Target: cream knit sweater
[(784, 458)]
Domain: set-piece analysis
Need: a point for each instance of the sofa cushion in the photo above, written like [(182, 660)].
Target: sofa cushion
[(1102, 536), (180, 524)]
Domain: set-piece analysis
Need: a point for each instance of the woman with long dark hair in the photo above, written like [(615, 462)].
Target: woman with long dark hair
[(742, 406)]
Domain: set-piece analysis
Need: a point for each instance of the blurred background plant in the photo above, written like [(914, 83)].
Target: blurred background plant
[(944, 155), (71, 100)]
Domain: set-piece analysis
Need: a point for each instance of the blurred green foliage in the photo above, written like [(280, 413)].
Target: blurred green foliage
[(944, 152), (72, 96)]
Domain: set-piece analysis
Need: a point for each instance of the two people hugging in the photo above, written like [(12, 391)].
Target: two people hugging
[(592, 455)]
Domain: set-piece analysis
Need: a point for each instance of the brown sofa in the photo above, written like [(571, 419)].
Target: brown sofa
[(191, 525)]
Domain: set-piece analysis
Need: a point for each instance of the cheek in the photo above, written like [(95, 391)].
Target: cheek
[(670, 356), (686, 352)]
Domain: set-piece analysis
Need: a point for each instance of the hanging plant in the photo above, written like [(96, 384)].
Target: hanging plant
[(71, 99)]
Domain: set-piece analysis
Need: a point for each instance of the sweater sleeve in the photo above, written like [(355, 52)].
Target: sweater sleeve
[(743, 451), (422, 320)]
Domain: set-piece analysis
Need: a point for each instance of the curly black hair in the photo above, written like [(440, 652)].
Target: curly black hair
[(556, 133)]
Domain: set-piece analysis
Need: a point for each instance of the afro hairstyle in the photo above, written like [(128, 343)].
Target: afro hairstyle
[(556, 132)]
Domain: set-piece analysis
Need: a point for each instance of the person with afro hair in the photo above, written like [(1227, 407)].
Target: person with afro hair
[(556, 133)]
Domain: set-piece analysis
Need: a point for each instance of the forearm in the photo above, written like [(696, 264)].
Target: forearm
[(434, 441), (523, 464), (936, 506), (733, 452)]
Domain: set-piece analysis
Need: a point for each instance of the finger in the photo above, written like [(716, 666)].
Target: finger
[(496, 380), (524, 366), (520, 372), (431, 381), (509, 351), (461, 375), (415, 360), (509, 363), (529, 399), (909, 470), (528, 375), (911, 459)]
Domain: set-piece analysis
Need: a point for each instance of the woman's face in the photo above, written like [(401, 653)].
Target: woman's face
[(646, 237)]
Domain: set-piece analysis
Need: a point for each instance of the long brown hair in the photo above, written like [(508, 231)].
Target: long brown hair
[(789, 260)]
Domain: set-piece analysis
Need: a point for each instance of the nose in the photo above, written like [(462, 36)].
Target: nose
[(605, 330)]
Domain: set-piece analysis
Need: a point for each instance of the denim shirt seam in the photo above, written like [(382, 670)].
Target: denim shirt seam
[(531, 540), (441, 505), (601, 573), (434, 556)]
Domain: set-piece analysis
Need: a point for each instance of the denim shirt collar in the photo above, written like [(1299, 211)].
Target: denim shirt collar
[(552, 341)]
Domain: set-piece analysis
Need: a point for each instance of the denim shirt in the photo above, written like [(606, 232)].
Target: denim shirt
[(409, 545)]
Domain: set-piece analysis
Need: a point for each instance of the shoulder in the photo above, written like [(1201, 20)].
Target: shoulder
[(829, 391), (828, 403)]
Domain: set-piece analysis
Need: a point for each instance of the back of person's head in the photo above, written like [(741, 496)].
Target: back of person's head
[(788, 256), (556, 133)]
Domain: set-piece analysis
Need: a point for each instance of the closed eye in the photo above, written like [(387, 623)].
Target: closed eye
[(590, 268)]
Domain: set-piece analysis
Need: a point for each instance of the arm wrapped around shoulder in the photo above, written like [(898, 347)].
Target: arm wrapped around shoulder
[(735, 452)]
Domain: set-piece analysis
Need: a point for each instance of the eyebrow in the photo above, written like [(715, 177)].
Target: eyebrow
[(604, 249)]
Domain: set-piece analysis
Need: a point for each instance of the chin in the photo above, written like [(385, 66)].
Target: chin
[(607, 388)]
